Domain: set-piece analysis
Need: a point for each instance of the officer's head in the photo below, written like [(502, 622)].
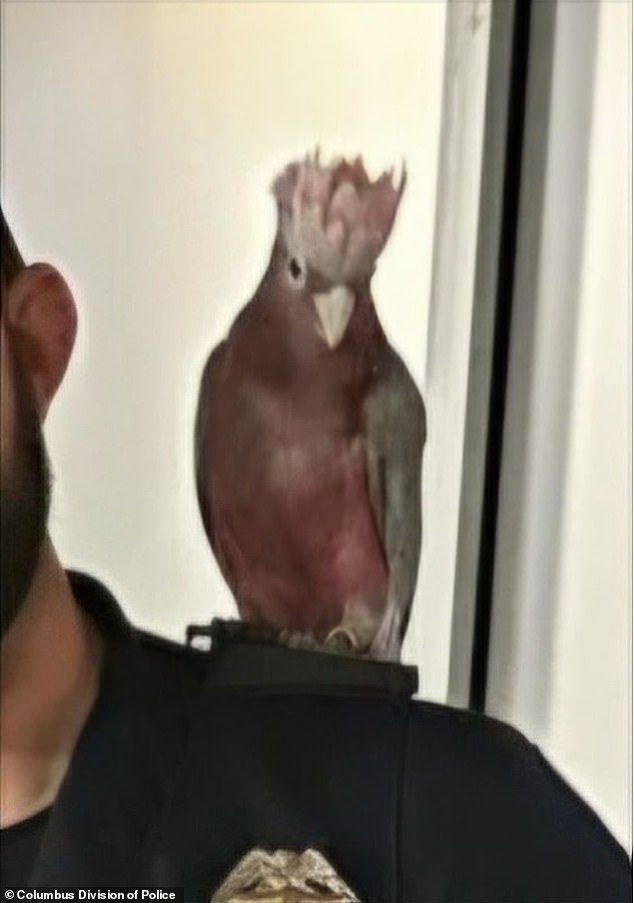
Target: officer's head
[(38, 321)]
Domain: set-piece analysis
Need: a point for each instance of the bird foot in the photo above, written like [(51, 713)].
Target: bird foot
[(340, 641), (294, 639)]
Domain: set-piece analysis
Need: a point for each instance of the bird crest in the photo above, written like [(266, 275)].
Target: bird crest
[(334, 217)]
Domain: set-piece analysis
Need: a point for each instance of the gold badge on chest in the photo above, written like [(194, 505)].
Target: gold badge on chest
[(283, 877)]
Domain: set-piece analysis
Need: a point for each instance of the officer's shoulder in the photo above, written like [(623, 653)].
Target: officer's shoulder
[(474, 748), (171, 658), (485, 765), (464, 730)]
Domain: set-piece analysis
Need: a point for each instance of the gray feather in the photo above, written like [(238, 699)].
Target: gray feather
[(395, 435)]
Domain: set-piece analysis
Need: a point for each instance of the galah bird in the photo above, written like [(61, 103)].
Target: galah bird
[(310, 430)]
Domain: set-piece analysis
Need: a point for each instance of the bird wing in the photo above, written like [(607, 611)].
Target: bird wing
[(208, 385), (395, 432)]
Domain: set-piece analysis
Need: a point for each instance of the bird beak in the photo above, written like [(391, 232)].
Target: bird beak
[(334, 309)]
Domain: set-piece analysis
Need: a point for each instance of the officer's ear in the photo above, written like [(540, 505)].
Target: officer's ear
[(39, 311)]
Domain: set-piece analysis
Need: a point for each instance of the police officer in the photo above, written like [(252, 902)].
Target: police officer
[(128, 760)]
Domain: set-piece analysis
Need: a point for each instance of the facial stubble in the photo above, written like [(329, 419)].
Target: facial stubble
[(24, 501)]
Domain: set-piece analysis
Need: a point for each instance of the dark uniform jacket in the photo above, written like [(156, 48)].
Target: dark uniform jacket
[(190, 759)]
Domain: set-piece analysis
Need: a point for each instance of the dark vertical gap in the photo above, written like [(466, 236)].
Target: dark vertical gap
[(500, 353)]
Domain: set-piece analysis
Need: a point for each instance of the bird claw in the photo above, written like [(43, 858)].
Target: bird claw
[(342, 639)]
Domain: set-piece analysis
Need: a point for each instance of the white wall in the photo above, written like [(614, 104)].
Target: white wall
[(560, 645), (139, 143), (590, 732)]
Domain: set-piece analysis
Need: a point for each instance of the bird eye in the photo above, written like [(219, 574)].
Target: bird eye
[(295, 269)]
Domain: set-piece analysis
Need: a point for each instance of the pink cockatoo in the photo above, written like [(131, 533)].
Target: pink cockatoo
[(310, 430)]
